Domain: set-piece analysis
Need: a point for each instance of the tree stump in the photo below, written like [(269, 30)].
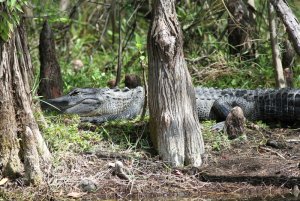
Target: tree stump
[(51, 83), (235, 123)]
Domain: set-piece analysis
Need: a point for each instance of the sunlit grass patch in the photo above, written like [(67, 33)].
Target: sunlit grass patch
[(66, 132), (62, 134), (128, 134)]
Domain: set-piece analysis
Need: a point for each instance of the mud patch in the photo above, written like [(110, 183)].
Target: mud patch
[(240, 169)]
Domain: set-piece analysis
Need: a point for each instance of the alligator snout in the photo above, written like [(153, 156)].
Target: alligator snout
[(58, 104)]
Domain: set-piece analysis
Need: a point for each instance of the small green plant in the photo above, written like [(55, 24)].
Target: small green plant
[(129, 135), (10, 16), (63, 134), (217, 140)]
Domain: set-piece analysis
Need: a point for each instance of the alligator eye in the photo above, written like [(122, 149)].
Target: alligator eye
[(74, 93)]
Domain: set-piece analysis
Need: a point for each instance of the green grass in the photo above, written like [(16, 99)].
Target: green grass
[(217, 140), (62, 134), (65, 133)]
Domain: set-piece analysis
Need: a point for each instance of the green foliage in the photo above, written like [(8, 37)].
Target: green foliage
[(217, 140), (91, 39), (66, 133), (9, 16), (63, 134), (127, 134)]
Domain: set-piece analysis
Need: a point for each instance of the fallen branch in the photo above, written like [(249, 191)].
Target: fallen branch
[(293, 140), (272, 151), (290, 21)]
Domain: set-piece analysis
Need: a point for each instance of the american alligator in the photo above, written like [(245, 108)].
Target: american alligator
[(98, 105)]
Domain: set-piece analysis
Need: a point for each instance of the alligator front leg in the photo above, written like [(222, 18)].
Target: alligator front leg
[(95, 119), (222, 107)]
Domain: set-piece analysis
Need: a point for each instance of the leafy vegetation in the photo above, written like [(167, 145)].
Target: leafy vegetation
[(65, 133), (10, 17), (89, 37)]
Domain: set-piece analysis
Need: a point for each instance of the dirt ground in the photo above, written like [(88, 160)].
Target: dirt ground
[(260, 166)]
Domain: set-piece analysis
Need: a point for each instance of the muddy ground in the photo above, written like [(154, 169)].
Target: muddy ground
[(262, 164)]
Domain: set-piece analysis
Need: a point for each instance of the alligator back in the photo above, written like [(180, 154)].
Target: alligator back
[(260, 104), (279, 105)]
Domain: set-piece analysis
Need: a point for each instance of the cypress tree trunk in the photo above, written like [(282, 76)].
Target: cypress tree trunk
[(51, 82), (20, 138), (174, 124)]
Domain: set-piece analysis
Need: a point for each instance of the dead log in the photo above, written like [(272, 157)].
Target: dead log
[(290, 21), (51, 83)]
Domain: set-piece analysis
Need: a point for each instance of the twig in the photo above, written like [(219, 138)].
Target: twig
[(292, 140), (105, 27), (195, 60), (272, 151), (99, 3)]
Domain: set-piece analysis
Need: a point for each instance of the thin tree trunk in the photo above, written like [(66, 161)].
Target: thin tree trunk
[(174, 124), (290, 21), (17, 119), (280, 81), (119, 68)]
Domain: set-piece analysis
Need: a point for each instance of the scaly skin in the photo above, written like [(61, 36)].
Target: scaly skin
[(103, 104)]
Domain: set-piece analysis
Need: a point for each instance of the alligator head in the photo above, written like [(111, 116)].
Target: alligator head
[(111, 103)]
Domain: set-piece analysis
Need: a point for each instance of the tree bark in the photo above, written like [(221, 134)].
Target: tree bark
[(20, 138), (288, 58), (290, 21), (174, 124), (280, 81)]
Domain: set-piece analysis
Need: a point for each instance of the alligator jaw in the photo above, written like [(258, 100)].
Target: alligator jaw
[(60, 103), (82, 106)]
